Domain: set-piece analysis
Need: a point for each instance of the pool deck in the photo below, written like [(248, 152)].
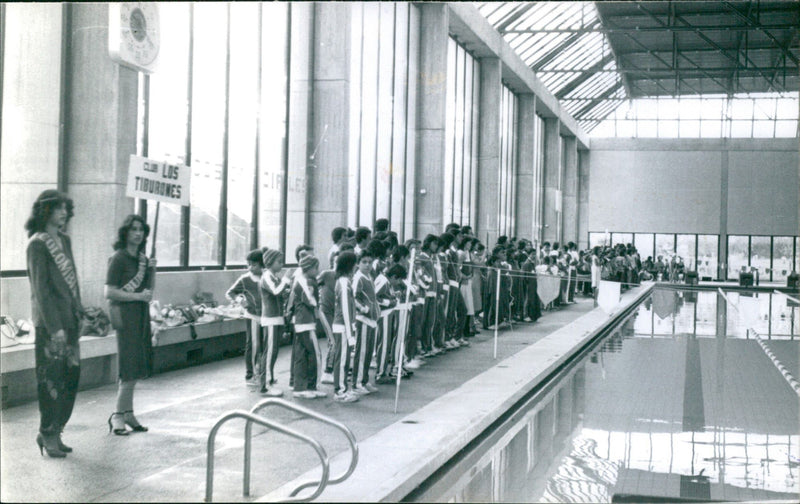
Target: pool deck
[(449, 400)]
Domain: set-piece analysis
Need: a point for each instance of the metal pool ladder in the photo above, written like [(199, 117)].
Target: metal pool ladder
[(252, 417)]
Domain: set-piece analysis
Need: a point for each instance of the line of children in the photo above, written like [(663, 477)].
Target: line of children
[(360, 302)]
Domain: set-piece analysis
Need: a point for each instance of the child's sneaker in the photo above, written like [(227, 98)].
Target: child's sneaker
[(412, 364), (360, 390), (305, 394), (345, 397), (319, 393), (271, 392), (384, 380), (327, 378), (371, 387)]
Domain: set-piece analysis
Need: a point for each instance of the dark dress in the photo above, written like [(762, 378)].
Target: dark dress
[(54, 308), (134, 345)]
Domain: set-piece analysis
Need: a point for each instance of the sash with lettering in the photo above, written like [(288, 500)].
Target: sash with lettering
[(64, 265), (114, 311)]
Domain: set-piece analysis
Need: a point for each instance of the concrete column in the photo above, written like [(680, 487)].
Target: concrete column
[(431, 118), (570, 190), (526, 162), (583, 199), (327, 180), (722, 260), (489, 151), (101, 136), (300, 141), (551, 217)]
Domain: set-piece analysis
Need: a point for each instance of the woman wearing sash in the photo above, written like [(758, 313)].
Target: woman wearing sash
[(56, 308), (129, 289)]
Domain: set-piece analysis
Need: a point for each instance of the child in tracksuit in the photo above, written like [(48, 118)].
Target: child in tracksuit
[(272, 289), (306, 357), (343, 326), (326, 281), (367, 312), (245, 291), (387, 302)]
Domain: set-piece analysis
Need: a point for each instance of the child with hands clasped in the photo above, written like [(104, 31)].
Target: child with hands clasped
[(367, 315), (245, 292), (306, 356)]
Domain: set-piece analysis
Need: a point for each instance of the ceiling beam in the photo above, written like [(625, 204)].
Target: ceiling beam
[(589, 106), (584, 76), (763, 28), (623, 77), (551, 54), (657, 29)]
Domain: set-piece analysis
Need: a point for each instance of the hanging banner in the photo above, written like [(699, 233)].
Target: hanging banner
[(608, 296), (158, 180)]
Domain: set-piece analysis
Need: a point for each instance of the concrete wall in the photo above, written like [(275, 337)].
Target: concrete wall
[(749, 186)]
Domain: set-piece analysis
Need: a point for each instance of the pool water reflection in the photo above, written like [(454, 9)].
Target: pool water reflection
[(680, 401)]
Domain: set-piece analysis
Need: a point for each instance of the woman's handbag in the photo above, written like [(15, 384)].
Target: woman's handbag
[(94, 322)]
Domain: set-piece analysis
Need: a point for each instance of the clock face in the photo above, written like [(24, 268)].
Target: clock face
[(134, 34)]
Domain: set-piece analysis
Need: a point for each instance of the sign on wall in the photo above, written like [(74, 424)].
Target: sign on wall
[(158, 180)]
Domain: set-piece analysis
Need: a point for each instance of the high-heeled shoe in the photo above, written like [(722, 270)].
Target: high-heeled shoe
[(61, 446), (131, 421), (48, 444), (116, 424)]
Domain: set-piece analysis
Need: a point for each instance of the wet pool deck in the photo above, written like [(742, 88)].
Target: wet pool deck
[(451, 398)]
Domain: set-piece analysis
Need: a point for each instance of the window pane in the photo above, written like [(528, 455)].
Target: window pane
[(711, 108), (242, 130), (272, 148), (208, 123), (710, 129), (785, 129), (763, 129), (737, 255), (760, 255), (668, 129), (689, 108), (644, 245), (787, 108), (169, 109), (781, 258), (685, 250), (623, 238), (707, 256), (741, 108), (597, 239), (647, 129), (626, 128), (665, 245), (741, 129), (689, 129)]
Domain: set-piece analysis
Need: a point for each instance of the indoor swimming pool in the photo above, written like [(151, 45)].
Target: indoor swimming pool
[(679, 401)]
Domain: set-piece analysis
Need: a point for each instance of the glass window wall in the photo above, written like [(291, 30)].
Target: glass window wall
[(707, 256), (760, 256), (644, 243), (665, 245), (383, 66), (738, 249), (508, 162), (685, 248)]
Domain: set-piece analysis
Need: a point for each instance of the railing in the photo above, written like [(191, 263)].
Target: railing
[(311, 414), (252, 417)]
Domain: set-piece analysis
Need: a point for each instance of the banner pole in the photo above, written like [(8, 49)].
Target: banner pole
[(155, 231), (403, 325), (496, 311)]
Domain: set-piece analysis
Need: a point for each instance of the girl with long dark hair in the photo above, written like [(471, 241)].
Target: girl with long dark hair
[(129, 288), (56, 309)]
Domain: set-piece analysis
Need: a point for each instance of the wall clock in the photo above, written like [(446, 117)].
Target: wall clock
[(134, 35)]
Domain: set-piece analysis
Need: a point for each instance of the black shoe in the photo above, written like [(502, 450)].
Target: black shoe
[(61, 446), (134, 424), (116, 424), (48, 443)]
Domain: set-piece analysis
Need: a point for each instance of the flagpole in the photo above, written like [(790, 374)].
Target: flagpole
[(402, 332), (496, 311)]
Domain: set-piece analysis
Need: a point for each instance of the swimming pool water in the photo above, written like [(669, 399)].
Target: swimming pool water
[(679, 401)]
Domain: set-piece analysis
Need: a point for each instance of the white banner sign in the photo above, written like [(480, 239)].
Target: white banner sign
[(158, 180)]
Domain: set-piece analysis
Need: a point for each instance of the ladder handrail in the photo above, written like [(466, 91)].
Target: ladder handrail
[(252, 418), (776, 291), (311, 414)]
